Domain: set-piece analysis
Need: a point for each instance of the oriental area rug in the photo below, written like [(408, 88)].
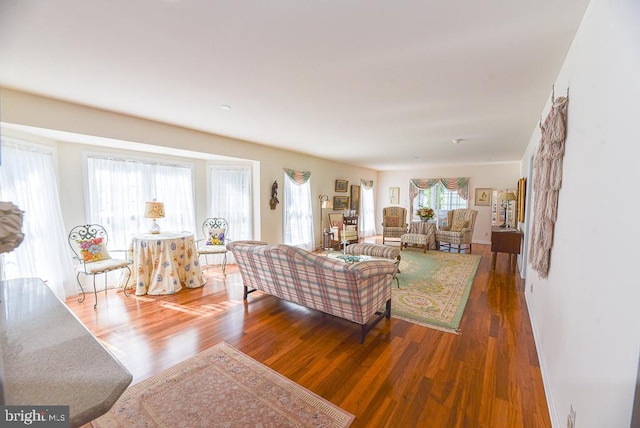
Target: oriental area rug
[(221, 387), (434, 288)]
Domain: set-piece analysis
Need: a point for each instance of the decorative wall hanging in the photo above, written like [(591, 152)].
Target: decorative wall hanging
[(273, 202), (547, 181), (342, 186), (483, 196), (394, 195)]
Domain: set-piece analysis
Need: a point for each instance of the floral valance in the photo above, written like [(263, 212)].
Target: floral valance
[(367, 184), (298, 177), (460, 184)]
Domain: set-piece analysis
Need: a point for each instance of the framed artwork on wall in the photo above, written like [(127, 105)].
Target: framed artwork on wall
[(340, 203), (483, 196), (522, 192), (394, 195), (342, 186), (354, 204)]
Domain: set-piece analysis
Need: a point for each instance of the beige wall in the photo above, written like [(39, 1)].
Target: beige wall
[(498, 176), (31, 110)]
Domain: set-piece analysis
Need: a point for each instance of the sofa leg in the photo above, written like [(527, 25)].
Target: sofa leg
[(247, 292), (366, 328), (388, 308)]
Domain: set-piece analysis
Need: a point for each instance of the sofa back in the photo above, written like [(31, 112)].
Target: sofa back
[(354, 291)]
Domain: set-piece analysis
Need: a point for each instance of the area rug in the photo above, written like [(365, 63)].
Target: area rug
[(221, 387), (434, 288)]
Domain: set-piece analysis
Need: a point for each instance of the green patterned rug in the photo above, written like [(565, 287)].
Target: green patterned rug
[(434, 288)]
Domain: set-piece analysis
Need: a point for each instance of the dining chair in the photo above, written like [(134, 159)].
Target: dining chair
[(89, 245), (215, 231)]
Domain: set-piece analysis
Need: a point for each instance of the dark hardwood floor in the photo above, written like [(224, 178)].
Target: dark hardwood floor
[(404, 375)]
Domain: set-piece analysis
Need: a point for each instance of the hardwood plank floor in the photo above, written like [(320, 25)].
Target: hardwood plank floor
[(404, 375)]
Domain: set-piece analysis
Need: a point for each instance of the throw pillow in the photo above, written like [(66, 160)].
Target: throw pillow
[(217, 236), (93, 250), (458, 225)]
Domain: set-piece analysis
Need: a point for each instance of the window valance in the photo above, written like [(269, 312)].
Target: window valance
[(460, 185), (298, 177)]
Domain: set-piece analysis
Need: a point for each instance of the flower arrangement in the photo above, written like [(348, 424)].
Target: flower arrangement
[(426, 213)]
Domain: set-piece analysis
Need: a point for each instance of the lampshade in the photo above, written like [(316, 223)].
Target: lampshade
[(327, 204), (154, 209), (508, 196)]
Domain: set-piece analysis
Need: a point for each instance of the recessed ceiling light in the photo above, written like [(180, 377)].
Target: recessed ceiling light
[(224, 107)]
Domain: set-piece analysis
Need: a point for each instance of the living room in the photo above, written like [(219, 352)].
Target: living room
[(588, 349)]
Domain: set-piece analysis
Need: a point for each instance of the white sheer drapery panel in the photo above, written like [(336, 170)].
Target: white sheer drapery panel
[(368, 217), (28, 179), (118, 189), (230, 198), (298, 214)]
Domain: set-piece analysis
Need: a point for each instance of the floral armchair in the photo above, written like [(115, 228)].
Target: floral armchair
[(394, 222), (459, 229)]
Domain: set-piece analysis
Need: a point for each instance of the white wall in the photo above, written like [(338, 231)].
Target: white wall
[(31, 110), (585, 314), (498, 176)]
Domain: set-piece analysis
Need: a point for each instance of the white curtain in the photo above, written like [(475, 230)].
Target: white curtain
[(28, 179), (118, 189), (231, 198), (367, 219), (298, 211)]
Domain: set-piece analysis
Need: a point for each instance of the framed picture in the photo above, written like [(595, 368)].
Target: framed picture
[(342, 186), (483, 196), (522, 192), (354, 205), (394, 195), (340, 203)]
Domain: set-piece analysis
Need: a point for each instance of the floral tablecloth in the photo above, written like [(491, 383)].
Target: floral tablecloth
[(164, 263)]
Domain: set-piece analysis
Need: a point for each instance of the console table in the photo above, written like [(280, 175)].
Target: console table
[(504, 240), (47, 357)]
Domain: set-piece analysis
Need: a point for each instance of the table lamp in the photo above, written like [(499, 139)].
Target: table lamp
[(507, 197), (154, 210)]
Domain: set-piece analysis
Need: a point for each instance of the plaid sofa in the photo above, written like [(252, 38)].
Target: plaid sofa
[(353, 291)]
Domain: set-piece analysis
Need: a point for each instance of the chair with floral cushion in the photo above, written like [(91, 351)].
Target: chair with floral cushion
[(215, 231), (89, 245), (394, 222), (459, 229)]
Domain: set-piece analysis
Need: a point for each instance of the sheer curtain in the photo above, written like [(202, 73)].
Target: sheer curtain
[(28, 179), (367, 219), (231, 198), (118, 189), (298, 212)]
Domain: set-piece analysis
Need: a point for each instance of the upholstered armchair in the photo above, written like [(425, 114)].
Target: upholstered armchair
[(342, 232), (394, 222), (459, 229)]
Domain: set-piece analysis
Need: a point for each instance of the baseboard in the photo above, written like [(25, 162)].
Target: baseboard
[(482, 242), (553, 411)]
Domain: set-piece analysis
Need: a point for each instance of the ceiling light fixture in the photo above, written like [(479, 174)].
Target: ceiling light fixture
[(224, 107), (457, 141)]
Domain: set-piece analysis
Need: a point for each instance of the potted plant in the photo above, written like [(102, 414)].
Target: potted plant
[(425, 214)]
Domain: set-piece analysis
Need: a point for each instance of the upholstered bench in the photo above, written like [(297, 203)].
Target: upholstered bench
[(376, 250), (417, 239)]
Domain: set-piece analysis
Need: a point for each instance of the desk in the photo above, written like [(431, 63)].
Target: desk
[(163, 263), (504, 241), (49, 358)]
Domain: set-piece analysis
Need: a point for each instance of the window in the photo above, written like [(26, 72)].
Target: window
[(230, 197), (119, 187), (28, 179), (440, 194), (298, 212)]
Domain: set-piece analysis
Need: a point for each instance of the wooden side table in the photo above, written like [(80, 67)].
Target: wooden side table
[(504, 241)]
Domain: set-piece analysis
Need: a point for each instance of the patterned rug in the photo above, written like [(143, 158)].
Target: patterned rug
[(222, 387), (434, 288)]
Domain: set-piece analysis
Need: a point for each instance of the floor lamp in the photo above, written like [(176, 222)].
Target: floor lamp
[(325, 202)]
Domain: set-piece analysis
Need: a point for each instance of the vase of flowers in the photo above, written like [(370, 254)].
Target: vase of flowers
[(425, 214)]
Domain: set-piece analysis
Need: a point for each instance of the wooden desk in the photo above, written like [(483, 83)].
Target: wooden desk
[(504, 240)]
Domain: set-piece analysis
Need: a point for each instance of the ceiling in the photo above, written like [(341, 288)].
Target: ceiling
[(380, 84)]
